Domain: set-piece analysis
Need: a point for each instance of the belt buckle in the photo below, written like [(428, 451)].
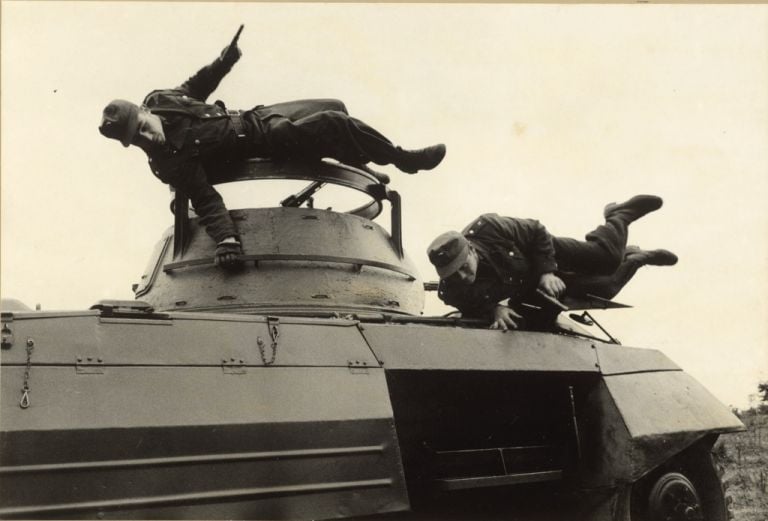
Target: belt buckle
[(236, 117)]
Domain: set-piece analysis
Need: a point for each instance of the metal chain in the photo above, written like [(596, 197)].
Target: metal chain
[(274, 333), (24, 402), (271, 361)]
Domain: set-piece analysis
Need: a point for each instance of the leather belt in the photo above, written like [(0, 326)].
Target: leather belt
[(238, 124)]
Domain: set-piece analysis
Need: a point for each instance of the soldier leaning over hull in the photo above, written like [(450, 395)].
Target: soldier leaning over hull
[(184, 136), (497, 258)]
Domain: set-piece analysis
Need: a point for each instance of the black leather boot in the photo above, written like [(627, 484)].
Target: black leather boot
[(651, 257), (411, 161), (634, 208)]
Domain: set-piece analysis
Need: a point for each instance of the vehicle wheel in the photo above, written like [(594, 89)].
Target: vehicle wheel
[(688, 489), (672, 498)]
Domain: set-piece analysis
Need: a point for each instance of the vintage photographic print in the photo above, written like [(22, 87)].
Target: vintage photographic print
[(384, 261)]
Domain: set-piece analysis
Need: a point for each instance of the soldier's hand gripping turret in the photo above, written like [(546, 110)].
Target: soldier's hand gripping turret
[(228, 254)]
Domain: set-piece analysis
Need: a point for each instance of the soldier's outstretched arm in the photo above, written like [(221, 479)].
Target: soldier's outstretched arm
[(205, 81), (184, 172)]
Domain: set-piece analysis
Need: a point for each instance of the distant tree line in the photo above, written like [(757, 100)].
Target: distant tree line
[(762, 389), (755, 410)]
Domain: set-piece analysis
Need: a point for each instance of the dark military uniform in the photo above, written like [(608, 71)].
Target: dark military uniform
[(514, 253), (200, 135)]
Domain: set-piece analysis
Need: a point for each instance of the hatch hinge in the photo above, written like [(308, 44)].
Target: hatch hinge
[(233, 365), (89, 365), (357, 367), (127, 309)]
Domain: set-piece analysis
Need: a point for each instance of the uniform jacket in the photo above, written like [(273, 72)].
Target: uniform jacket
[(196, 133), (514, 253)]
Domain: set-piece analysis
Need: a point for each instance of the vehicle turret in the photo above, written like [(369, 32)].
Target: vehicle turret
[(297, 260)]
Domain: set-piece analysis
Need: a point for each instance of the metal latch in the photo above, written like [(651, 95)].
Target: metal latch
[(357, 367), (273, 326), (273, 323), (89, 365), (233, 365), (7, 335)]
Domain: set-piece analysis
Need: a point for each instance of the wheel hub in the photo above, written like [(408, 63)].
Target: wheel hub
[(674, 498)]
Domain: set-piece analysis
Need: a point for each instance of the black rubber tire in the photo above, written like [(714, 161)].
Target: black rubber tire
[(690, 488)]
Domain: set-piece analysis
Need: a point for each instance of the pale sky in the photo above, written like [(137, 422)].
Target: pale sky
[(548, 111)]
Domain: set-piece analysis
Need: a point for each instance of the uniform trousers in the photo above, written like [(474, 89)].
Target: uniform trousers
[(600, 254), (604, 286), (313, 129)]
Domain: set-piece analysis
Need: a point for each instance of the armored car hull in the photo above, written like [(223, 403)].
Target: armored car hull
[(182, 415), (308, 386)]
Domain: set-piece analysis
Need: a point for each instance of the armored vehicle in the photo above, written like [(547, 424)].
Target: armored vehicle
[(309, 385)]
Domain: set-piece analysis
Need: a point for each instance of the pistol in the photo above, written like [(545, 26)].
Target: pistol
[(237, 35)]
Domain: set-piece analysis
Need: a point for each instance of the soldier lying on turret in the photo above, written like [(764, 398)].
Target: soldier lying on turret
[(497, 258), (185, 138)]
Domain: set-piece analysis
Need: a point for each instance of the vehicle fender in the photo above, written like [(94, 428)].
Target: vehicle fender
[(635, 421)]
